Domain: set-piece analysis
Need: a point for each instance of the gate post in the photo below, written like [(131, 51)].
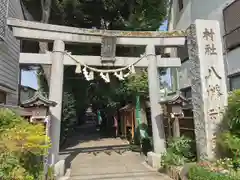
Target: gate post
[(55, 94), (156, 108), (208, 84)]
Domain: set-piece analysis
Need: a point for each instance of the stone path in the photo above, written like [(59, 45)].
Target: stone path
[(87, 158)]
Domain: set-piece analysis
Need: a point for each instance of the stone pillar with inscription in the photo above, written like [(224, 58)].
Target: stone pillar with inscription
[(209, 92)]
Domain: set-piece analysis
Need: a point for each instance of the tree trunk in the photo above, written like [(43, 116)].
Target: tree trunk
[(43, 46)]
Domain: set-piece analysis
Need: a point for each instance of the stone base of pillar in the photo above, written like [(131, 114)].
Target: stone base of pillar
[(59, 169), (154, 160)]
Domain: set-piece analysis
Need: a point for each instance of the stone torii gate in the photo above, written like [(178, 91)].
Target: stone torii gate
[(199, 33), (60, 35)]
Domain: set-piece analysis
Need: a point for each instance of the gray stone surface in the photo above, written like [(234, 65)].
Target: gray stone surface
[(154, 160), (196, 89), (59, 168), (154, 96), (86, 165), (55, 94), (208, 84)]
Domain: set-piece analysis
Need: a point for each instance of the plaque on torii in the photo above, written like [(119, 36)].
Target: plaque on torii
[(108, 49)]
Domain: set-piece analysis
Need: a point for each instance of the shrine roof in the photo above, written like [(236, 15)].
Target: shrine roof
[(173, 98), (95, 32), (38, 99)]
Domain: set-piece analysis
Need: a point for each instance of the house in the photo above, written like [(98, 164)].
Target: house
[(26, 93), (9, 53), (185, 12)]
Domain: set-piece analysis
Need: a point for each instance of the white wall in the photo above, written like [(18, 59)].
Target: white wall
[(184, 16), (198, 9), (203, 9)]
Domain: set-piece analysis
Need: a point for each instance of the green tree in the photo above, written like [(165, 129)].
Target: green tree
[(107, 14)]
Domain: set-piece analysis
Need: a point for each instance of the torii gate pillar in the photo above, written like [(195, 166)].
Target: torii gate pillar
[(156, 109), (55, 94)]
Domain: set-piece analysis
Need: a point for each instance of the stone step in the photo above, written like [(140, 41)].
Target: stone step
[(145, 175)]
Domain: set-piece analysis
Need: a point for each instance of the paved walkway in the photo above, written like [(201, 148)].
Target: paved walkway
[(94, 158)]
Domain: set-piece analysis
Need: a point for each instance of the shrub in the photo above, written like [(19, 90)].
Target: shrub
[(22, 146), (231, 119), (201, 173), (8, 119), (229, 139), (178, 152), (230, 142)]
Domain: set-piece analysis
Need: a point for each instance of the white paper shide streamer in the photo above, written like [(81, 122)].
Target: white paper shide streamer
[(105, 77), (88, 75), (78, 69), (119, 75), (132, 69), (88, 72)]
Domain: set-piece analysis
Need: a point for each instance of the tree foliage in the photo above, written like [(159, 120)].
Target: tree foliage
[(137, 83), (107, 14)]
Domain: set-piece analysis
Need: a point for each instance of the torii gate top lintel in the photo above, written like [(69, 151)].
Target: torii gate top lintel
[(34, 30), (96, 32)]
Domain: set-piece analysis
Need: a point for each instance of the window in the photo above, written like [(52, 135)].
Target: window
[(231, 17), (234, 82), (187, 92), (3, 18), (2, 97), (180, 4)]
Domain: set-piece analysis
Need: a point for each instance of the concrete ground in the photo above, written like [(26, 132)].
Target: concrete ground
[(93, 158)]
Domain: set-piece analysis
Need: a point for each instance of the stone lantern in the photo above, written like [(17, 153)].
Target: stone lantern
[(173, 105), (38, 105)]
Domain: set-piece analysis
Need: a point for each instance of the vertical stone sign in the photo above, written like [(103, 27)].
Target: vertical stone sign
[(208, 83)]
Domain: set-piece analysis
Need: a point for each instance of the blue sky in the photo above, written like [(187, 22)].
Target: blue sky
[(29, 77), (163, 27)]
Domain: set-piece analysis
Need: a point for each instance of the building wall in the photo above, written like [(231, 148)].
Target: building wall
[(9, 57), (181, 19), (202, 9), (184, 75)]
